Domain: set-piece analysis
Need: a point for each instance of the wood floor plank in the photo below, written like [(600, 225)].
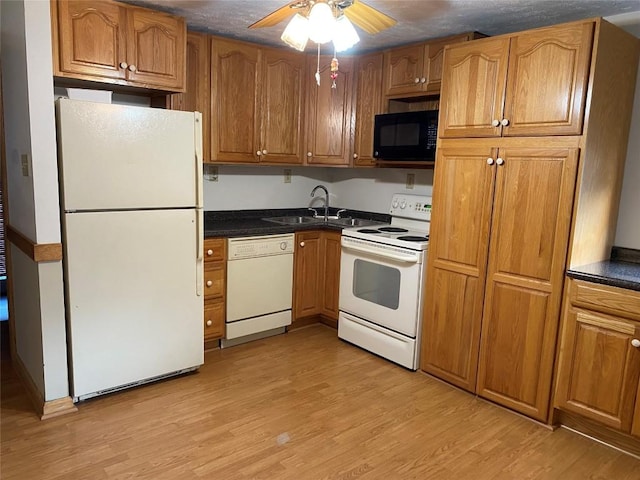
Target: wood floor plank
[(304, 405)]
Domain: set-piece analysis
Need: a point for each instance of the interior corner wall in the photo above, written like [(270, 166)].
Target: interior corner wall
[(628, 228), (33, 201)]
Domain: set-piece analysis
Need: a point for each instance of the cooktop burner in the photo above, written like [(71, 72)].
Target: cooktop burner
[(393, 229), (368, 230), (413, 238)]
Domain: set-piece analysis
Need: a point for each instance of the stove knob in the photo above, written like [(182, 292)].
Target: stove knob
[(395, 204), (403, 204)]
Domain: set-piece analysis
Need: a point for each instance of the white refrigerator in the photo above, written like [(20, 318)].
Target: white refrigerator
[(131, 196)]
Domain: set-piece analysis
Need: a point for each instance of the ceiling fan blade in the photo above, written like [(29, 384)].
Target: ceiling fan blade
[(368, 18), (275, 17)]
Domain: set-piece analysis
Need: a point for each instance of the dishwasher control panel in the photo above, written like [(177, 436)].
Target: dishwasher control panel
[(263, 246)]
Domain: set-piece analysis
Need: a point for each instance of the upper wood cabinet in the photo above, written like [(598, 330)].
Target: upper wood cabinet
[(197, 94), (257, 103), (416, 69), (599, 365), (368, 105), (531, 83), (495, 268), (329, 117), (115, 43)]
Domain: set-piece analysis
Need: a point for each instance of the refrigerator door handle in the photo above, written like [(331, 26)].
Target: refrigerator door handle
[(198, 159), (199, 252)]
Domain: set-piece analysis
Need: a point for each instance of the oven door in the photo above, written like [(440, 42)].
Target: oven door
[(381, 284)]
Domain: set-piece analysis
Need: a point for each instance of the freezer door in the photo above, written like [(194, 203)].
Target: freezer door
[(133, 307), (122, 157)]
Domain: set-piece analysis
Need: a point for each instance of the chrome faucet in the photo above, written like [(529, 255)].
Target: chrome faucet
[(326, 199)]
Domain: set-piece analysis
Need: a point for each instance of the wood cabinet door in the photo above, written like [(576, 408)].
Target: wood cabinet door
[(91, 39), (329, 127), (368, 105), (156, 49), (235, 105), (196, 96), (598, 369), (330, 251), (456, 269), (529, 235), (472, 97), (635, 428), (283, 81), (307, 280), (547, 81), (404, 70)]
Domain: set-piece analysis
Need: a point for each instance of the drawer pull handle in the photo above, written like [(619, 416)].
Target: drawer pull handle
[(209, 252), (209, 323), (635, 342), (209, 283)]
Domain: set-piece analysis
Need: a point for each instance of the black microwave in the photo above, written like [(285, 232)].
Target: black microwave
[(406, 136)]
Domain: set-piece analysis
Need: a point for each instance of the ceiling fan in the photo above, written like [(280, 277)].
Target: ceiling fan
[(367, 18)]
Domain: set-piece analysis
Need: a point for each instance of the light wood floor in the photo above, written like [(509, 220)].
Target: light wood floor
[(298, 406)]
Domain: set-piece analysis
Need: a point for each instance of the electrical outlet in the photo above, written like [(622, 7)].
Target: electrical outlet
[(212, 173), (411, 179), (287, 175), (24, 162)]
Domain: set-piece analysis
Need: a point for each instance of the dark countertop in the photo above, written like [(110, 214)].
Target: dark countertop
[(243, 223), (622, 270)]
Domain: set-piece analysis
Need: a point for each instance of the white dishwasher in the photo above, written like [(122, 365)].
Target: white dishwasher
[(259, 287)]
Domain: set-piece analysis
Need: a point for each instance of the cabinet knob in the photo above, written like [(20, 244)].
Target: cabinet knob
[(355, 155), (635, 343), (209, 252), (264, 152), (123, 65), (302, 244), (259, 153), (423, 80), (209, 283), (209, 323), (132, 68), (309, 154), (416, 80), (489, 161), (499, 161), (495, 123), (504, 122)]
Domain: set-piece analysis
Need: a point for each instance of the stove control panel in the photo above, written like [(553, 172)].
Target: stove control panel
[(417, 207)]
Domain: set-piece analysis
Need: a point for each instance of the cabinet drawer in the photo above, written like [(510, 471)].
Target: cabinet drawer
[(215, 249), (606, 299), (213, 320), (214, 280)]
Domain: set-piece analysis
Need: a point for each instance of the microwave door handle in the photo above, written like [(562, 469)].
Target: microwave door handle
[(383, 254)]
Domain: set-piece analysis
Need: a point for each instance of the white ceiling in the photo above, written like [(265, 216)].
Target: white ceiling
[(417, 19)]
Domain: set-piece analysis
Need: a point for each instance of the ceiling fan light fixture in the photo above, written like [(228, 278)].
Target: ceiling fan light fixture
[(344, 34), (321, 23), (296, 34)]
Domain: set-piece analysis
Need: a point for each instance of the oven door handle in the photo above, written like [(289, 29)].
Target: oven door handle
[(383, 254)]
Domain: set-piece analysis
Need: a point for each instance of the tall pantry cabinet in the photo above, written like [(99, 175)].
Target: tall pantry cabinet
[(533, 129)]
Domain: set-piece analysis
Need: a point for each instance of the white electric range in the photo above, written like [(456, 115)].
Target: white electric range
[(382, 279)]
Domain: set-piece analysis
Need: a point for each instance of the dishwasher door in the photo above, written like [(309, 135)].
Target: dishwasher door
[(259, 286)]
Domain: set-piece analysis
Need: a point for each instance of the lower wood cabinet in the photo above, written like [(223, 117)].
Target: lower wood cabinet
[(316, 276), (215, 275), (599, 360)]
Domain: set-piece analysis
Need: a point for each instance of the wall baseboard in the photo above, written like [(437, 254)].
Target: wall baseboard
[(44, 409)]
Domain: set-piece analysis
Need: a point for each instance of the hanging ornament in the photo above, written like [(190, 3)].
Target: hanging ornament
[(334, 70), (318, 69)]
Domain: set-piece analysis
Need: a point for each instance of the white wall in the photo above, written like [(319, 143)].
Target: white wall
[(33, 199), (257, 187), (628, 231)]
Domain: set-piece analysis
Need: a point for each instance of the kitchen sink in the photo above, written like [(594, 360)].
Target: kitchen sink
[(331, 220)]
